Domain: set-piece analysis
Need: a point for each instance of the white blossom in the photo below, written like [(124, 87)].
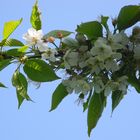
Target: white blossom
[(96, 64), (42, 46), (33, 36), (118, 41), (98, 84), (49, 54), (71, 59), (101, 49)]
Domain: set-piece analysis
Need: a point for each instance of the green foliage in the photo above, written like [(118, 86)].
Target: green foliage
[(96, 64), (104, 20), (4, 63), (59, 94), (86, 104), (128, 16), (2, 85), (38, 70), (117, 96), (35, 17), (20, 83), (10, 27), (13, 43), (57, 34), (95, 109), (14, 52), (92, 29), (134, 82)]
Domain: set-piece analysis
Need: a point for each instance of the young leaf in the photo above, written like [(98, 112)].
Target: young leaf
[(4, 63), (13, 43), (128, 16), (19, 81), (117, 96), (40, 71), (23, 49), (10, 27), (57, 33), (59, 94), (35, 17), (2, 85), (95, 109), (92, 29)]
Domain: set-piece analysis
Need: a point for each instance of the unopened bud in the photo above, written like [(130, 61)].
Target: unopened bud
[(60, 35), (51, 39), (114, 22), (136, 30)]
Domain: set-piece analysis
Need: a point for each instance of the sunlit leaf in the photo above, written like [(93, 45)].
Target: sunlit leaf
[(10, 27), (40, 71), (20, 83), (23, 49), (13, 43), (35, 17)]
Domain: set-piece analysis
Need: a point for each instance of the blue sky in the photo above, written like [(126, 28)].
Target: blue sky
[(68, 122)]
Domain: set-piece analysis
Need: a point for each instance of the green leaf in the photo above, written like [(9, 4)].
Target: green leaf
[(20, 99), (128, 16), (10, 27), (85, 105), (35, 17), (55, 33), (70, 42), (19, 81), (117, 96), (13, 43), (2, 85), (104, 20), (2, 42), (92, 29), (4, 63), (134, 82), (23, 49), (59, 94), (14, 52), (40, 71), (95, 109)]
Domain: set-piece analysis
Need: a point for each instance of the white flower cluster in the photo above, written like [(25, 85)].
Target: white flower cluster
[(103, 56), (77, 85), (34, 38), (86, 65)]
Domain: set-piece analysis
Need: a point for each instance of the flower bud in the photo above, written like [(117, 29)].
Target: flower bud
[(114, 22), (136, 30), (60, 35), (51, 39)]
